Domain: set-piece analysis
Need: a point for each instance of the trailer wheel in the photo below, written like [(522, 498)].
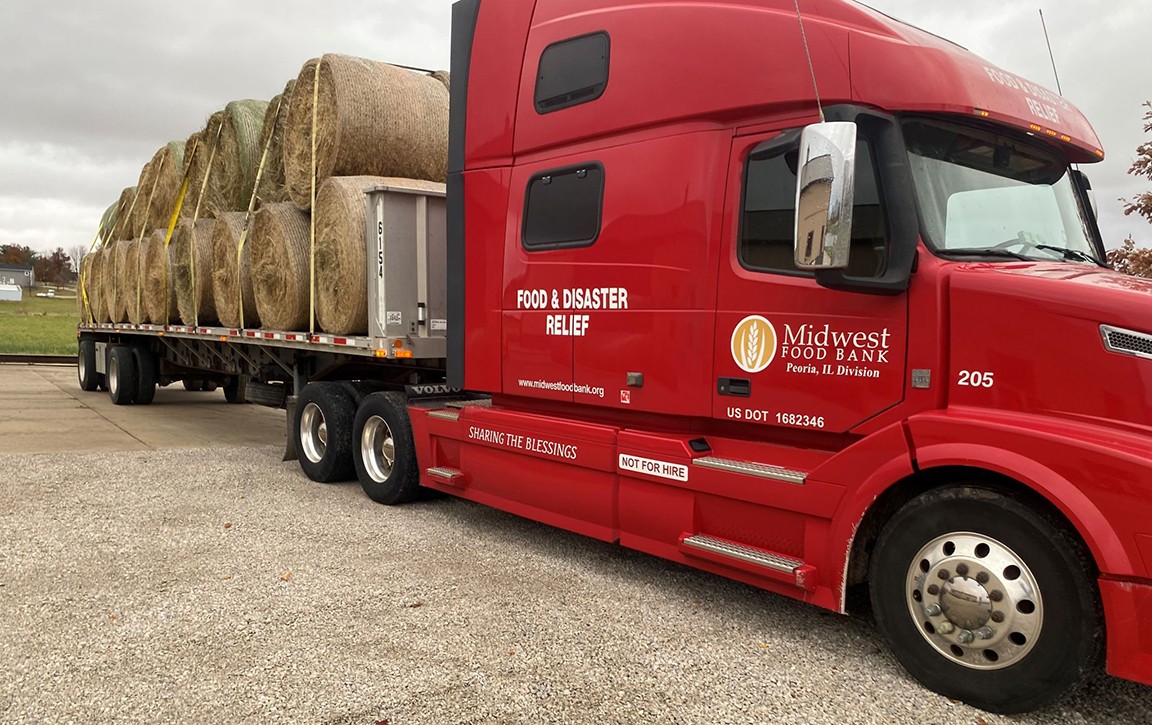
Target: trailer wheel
[(193, 385), (209, 386), (122, 379), (146, 375), (86, 366), (385, 453), (323, 430), (986, 600), (236, 389)]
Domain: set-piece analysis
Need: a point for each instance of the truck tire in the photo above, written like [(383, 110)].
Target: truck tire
[(323, 431), (122, 378), (209, 386), (146, 374), (193, 385), (987, 600), (384, 453), (236, 389), (86, 366)]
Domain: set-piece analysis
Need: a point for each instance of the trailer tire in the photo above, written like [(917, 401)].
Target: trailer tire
[(323, 431), (146, 375), (236, 389), (209, 386), (86, 366), (384, 452), (122, 378), (987, 600), (193, 385)]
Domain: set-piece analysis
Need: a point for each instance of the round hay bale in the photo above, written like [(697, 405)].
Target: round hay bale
[(271, 188), (444, 77), (108, 223), (234, 176), (227, 284), (372, 119), (162, 178), (138, 220), (191, 255), (280, 266), (197, 164), (95, 286), (82, 281), (159, 289), (341, 277), (131, 296), (123, 206)]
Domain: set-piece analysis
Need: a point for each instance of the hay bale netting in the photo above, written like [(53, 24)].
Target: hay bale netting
[(121, 229), (131, 297), (95, 286), (197, 166), (237, 155), (341, 281), (161, 179), (271, 188), (159, 289), (280, 266), (190, 253), (372, 119), (227, 284)]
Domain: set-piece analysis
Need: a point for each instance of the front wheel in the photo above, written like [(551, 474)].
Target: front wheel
[(384, 452), (986, 600)]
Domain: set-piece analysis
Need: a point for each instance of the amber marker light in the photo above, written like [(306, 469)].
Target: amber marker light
[(1034, 127), (980, 112), (381, 353), (405, 354)]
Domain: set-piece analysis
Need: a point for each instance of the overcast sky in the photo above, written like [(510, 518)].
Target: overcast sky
[(93, 89)]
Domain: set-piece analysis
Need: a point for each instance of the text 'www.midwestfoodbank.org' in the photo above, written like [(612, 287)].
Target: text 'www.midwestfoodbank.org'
[(563, 387)]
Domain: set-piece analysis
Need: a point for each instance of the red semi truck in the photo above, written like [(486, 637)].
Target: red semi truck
[(885, 398)]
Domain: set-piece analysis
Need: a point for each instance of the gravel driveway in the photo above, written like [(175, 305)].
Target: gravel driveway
[(202, 586)]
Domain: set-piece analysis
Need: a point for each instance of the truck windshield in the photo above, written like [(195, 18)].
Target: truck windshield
[(984, 193)]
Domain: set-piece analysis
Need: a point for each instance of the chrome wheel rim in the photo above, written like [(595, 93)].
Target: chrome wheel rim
[(113, 376), (313, 433), (974, 600), (377, 449), (82, 368)]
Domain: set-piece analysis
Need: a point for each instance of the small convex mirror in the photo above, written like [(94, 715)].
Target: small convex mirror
[(824, 195)]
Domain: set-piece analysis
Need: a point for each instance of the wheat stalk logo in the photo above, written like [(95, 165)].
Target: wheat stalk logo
[(753, 344)]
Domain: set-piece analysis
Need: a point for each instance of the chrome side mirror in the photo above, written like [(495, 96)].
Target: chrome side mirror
[(824, 195)]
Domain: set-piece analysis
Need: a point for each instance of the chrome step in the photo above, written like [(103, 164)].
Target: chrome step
[(481, 403), (743, 553), (450, 476), (445, 414), (763, 470)]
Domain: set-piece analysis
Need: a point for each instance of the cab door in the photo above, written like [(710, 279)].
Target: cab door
[(789, 353)]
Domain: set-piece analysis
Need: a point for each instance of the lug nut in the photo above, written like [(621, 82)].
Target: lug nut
[(982, 577), (985, 633), (933, 610), (997, 617), (944, 575), (945, 627), (933, 589), (965, 636), (995, 595), (962, 569)]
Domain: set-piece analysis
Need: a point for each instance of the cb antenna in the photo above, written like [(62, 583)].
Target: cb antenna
[(1050, 56), (811, 68)]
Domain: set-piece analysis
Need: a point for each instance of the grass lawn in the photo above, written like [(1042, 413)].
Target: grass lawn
[(39, 325)]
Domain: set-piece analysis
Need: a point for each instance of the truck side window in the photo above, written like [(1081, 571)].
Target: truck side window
[(572, 72), (768, 216), (563, 208)]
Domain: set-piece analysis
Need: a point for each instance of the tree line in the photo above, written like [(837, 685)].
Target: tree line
[(56, 267)]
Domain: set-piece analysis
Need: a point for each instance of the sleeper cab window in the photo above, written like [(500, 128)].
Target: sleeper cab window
[(572, 72), (768, 216), (563, 208)]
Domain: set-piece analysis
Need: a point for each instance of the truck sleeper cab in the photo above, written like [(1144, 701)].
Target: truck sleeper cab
[(622, 214)]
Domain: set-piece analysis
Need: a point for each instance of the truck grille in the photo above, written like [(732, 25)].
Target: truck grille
[(1126, 341)]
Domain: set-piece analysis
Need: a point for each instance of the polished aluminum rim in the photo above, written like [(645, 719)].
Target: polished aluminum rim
[(313, 433), (974, 600), (377, 449), (113, 376), (82, 367)]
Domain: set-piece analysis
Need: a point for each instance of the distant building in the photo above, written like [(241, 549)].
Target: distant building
[(11, 293), (21, 275)]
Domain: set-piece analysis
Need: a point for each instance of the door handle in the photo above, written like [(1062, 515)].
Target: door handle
[(737, 387)]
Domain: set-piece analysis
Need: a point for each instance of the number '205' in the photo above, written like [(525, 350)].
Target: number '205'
[(976, 379)]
